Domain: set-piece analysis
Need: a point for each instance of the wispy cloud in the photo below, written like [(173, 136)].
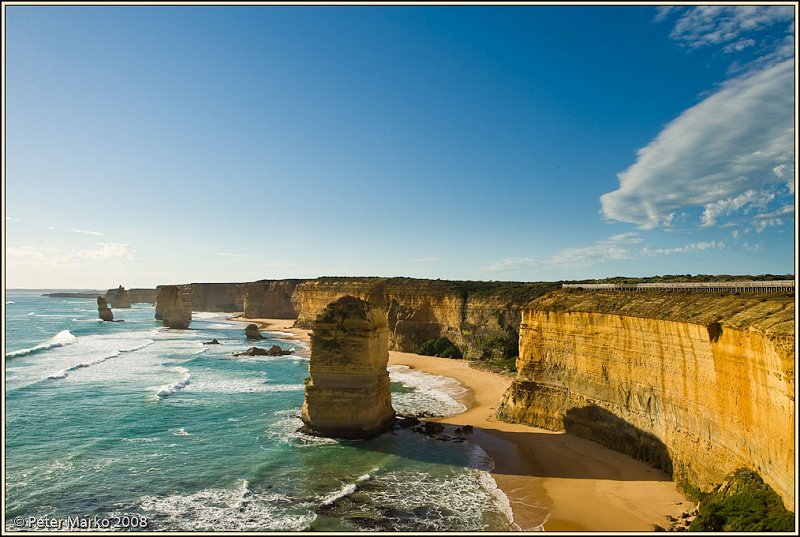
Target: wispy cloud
[(622, 247), (108, 250), (730, 143), (693, 247), (226, 254), (731, 26), (747, 200), (86, 232), (426, 259)]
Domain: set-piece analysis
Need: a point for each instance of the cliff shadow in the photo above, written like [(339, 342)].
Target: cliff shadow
[(599, 425), (529, 453)]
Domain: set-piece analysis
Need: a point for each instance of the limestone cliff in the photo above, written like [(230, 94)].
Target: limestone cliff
[(118, 298), (698, 384), (227, 297), (347, 394), (270, 299), (481, 318), (174, 306)]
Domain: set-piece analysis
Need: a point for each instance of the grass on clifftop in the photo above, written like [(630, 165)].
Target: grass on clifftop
[(743, 502)]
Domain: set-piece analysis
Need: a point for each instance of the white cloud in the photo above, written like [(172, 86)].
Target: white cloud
[(735, 234), (86, 232), (699, 26), (108, 250), (753, 247), (610, 249), (723, 207), (693, 247), (226, 254), (426, 259), (729, 143)]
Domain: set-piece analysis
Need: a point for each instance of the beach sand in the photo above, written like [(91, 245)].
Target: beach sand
[(554, 479)]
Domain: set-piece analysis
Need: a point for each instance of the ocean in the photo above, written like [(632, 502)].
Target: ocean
[(129, 419)]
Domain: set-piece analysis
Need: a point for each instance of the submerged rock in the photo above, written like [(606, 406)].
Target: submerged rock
[(347, 394), (212, 342), (252, 332), (103, 311)]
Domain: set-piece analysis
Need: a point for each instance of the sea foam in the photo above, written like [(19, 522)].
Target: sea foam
[(65, 337)]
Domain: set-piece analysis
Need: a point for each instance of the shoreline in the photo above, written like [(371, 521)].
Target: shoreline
[(553, 480)]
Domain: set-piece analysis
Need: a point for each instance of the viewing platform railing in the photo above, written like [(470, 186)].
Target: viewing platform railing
[(776, 286)]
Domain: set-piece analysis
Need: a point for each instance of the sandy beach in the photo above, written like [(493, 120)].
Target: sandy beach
[(553, 480)]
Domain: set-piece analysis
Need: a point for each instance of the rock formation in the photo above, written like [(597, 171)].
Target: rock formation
[(481, 318), (173, 307), (227, 297), (697, 384), (347, 394), (118, 298), (270, 299), (252, 332), (275, 350), (103, 310)]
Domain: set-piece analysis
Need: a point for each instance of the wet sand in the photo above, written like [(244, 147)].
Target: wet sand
[(552, 479)]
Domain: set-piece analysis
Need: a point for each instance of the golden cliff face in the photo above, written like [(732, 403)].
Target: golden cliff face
[(481, 318), (697, 384), (347, 394)]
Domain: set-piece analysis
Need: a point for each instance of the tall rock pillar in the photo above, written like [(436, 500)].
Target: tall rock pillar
[(348, 394), (174, 308)]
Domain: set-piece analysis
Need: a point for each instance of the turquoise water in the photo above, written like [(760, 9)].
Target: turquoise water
[(130, 418)]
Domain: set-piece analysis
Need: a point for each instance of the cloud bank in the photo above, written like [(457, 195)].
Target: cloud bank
[(737, 142)]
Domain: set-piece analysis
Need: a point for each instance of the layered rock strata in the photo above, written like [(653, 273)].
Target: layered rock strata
[(103, 311), (481, 318), (270, 299), (347, 394), (118, 298), (698, 385), (173, 307), (210, 296)]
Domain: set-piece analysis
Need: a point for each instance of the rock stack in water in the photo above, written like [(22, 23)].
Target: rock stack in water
[(347, 394), (252, 332), (119, 297), (103, 310), (174, 307)]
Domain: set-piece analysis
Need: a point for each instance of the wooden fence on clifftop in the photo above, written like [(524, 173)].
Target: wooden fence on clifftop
[(776, 286)]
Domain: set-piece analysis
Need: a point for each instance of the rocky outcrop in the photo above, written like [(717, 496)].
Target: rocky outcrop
[(275, 350), (697, 384), (481, 318), (103, 311), (270, 299), (347, 394), (118, 298), (173, 307), (252, 332), (142, 296)]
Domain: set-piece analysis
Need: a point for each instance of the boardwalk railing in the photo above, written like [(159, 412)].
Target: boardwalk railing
[(776, 286)]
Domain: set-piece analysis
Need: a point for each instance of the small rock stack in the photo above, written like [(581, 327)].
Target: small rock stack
[(103, 310)]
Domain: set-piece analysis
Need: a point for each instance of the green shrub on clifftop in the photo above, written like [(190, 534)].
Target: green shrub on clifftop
[(743, 502), (442, 347)]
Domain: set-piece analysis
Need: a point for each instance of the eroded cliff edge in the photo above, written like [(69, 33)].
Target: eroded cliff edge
[(481, 318), (698, 384)]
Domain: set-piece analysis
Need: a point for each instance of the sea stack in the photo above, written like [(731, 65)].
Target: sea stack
[(347, 394), (174, 307), (252, 332), (119, 297), (103, 310)]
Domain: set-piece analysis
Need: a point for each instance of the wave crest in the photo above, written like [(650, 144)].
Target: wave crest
[(65, 337)]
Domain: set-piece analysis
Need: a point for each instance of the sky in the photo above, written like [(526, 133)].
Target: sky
[(149, 145)]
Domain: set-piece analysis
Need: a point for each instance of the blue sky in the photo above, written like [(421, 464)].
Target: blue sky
[(149, 145)]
